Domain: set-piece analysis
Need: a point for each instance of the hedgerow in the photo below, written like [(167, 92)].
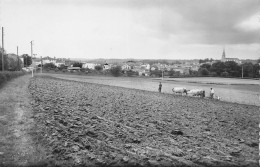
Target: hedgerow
[(8, 75)]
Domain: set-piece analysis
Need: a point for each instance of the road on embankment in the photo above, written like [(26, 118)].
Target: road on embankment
[(237, 93)]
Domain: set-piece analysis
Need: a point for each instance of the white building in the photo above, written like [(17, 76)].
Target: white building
[(48, 60), (89, 65), (106, 67), (127, 67), (58, 64)]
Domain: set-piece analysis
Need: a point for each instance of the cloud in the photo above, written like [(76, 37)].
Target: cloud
[(143, 28), (213, 22)]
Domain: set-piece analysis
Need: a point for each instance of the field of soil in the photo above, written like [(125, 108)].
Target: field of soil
[(238, 93), (94, 124), (217, 80)]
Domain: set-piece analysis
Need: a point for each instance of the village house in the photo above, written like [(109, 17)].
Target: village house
[(106, 66), (127, 67), (154, 67), (58, 64), (89, 65), (48, 59)]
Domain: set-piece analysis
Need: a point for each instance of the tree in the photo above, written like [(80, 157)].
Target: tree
[(62, 66), (77, 64), (6, 67), (224, 74), (203, 71), (193, 72), (256, 71), (130, 73), (207, 66), (248, 69), (171, 72), (27, 60), (205, 60), (115, 71), (98, 68), (232, 68), (218, 67), (49, 66)]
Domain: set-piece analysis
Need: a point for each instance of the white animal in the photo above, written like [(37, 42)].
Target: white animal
[(179, 90), (218, 98), (197, 92)]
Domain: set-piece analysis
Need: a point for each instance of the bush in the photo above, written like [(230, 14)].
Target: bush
[(130, 73), (64, 70), (2, 78), (224, 74), (49, 66), (214, 74), (156, 73), (8, 75), (203, 71), (115, 71), (98, 68)]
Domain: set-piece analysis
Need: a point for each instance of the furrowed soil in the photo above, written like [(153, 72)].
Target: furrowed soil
[(98, 125)]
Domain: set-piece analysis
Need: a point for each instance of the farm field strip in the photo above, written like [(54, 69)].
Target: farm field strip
[(215, 80), (98, 124), (243, 94)]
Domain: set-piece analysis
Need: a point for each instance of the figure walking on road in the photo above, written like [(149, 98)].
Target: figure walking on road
[(160, 87), (212, 93)]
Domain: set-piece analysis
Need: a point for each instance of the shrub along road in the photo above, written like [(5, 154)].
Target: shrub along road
[(17, 146)]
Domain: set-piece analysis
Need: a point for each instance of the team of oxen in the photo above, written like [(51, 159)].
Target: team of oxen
[(193, 92)]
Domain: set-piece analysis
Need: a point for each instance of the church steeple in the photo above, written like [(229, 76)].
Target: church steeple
[(223, 54)]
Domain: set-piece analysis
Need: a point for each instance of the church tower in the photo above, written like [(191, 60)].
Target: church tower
[(223, 54), (223, 59)]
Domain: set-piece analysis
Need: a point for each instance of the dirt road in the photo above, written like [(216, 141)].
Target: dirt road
[(16, 125)]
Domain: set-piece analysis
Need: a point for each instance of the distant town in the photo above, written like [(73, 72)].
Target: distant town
[(224, 66)]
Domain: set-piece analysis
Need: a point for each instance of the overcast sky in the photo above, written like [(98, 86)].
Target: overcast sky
[(142, 29)]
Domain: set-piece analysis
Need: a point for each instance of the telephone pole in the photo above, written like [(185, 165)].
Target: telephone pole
[(32, 55), (242, 71), (18, 58), (31, 48), (41, 64), (3, 49)]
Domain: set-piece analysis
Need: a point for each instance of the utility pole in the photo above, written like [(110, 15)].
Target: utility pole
[(3, 49), (242, 71), (162, 74), (32, 54), (18, 58), (41, 64)]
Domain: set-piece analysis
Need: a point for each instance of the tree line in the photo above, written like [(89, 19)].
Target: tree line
[(231, 69), (12, 62)]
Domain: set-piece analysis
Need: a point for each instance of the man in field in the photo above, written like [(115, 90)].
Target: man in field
[(212, 93), (160, 87)]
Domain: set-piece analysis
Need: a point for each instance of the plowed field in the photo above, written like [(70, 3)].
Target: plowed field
[(92, 124)]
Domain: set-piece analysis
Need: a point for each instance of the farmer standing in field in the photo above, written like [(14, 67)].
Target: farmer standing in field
[(160, 87), (212, 93)]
